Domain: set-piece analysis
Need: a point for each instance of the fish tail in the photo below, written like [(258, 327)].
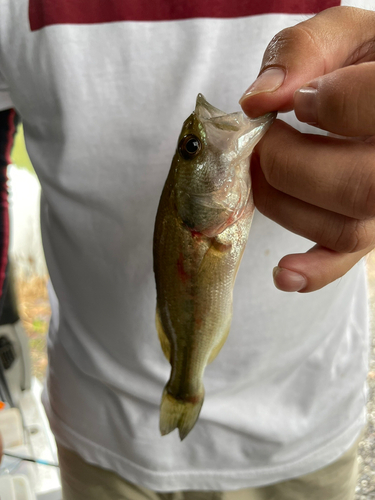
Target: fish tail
[(177, 413)]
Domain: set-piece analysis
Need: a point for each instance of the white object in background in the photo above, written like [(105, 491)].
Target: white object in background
[(18, 375), (46, 481), (7, 491), (11, 428), (26, 250), (22, 488), (15, 488)]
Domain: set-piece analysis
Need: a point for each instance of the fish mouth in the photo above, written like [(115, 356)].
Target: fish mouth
[(229, 121)]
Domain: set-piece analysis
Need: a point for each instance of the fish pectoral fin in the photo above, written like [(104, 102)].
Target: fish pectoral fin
[(221, 245), (218, 248), (164, 342)]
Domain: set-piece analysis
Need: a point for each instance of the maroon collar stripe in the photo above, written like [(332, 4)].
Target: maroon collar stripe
[(48, 12)]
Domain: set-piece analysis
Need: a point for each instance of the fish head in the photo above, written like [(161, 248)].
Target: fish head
[(211, 166)]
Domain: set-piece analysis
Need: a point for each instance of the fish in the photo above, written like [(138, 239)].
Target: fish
[(201, 229)]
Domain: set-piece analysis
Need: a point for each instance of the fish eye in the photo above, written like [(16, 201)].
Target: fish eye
[(189, 146)]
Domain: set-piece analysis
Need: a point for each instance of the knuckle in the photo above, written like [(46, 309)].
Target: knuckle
[(346, 100), (359, 192), (272, 168), (288, 40), (262, 203), (338, 107), (355, 235), (277, 160), (341, 102), (367, 207)]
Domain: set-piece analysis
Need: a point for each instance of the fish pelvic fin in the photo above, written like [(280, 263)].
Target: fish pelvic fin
[(176, 413), (164, 342), (221, 340)]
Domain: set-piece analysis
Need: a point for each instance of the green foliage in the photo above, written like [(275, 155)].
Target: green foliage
[(39, 326), (19, 154)]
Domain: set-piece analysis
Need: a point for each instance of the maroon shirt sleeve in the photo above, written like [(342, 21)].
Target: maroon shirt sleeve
[(44, 13)]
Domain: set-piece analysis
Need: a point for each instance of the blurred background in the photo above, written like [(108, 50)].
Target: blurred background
[(26, 253)]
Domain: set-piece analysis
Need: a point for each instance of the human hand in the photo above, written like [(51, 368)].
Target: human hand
[(322, 188)]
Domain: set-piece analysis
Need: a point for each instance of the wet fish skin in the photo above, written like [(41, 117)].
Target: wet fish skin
[(201, 229)]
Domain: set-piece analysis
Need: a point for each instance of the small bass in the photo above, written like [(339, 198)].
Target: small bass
[(201, 229)]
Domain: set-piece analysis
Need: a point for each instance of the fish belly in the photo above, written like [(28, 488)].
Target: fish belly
[(194, 278)]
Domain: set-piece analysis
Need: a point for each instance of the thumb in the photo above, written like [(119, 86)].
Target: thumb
[(335, 38), (310, 271)]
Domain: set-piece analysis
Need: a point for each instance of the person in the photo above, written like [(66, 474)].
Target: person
[(102, 92), (8, 126)]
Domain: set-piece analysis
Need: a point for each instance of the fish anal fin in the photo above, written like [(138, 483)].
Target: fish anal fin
[(164, 342), (217, 347)]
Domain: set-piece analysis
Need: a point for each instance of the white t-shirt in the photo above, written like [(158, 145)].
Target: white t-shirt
[(102, 100)]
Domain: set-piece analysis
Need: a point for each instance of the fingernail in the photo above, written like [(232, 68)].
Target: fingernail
[(288, 281), (268, 81), (305, 105)]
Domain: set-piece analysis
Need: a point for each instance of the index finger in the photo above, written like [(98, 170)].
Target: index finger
[(335, 38)]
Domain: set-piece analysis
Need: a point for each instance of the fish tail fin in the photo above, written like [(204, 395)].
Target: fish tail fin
[(175, 413)]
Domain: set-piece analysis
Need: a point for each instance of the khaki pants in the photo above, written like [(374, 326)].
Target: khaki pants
[(82, 481)]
